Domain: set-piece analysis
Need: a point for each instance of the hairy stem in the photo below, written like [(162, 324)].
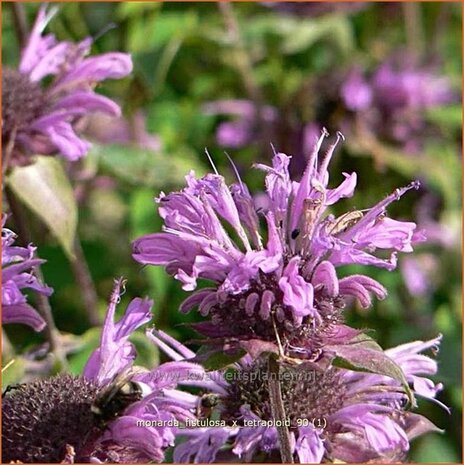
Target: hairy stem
[(278, 410), (20, 22), (245, 68), (414, 28), (84, 280)]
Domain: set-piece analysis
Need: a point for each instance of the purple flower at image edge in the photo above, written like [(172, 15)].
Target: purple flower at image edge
[(72, 424), (18, 267), (41, 118), (288, 284), (347, 416)]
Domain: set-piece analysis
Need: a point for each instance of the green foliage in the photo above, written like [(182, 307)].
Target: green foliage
[(365, 355), (187, 55), (45, 189), (142, 167)]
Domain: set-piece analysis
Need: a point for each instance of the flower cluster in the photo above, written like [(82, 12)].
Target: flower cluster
[(334, 415), (289, 283), (389, 102), (18, 267), (80, 419), (40, 117), (392, 101), (278, 291)]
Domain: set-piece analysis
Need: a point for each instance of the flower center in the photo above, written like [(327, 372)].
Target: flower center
[(306, 394), (22, 102), (40, 419), (243, 316)]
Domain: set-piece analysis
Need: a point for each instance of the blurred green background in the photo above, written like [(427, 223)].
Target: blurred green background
[(238, 78)]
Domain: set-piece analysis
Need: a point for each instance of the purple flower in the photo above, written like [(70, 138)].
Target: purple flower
[(40, 117), (417, 273), (408, 87), (356, 92), (346, 416), (90, 418), (392, 101), (163, 406), (239, 132), (18, 267), (287, 283)]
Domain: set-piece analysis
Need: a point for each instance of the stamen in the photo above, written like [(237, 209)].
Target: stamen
[(104, 30), (328, 155), (234, 167), (211, 161)]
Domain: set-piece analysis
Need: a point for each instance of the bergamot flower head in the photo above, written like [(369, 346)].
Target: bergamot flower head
[(334, 414), (19, 265), (84, 418), (286, 284), (39, 117)]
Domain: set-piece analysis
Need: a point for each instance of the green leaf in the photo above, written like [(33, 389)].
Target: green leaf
[(434, 449), (127, 10), (147, 352), (14, 372), (45, 188), (89, 341), (304, 34), (365, 355), (447, 117), (213, 360), (139, 166)]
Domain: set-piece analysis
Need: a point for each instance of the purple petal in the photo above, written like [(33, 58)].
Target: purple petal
[(37, 46), (234, 134), (22, 313), (81, 103), (169, 345), (278, 184), (266, 303), (115, 351), (50, 63), (195, 299), (359, 287), (376, 213), (220, 197), (309, 445), (305, 187), (345, 189), (62, 135), (147, 440), (246, 210), (325, 276), (202, 446), (298, 294), (164, 249), (98, 68)]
